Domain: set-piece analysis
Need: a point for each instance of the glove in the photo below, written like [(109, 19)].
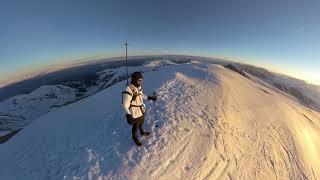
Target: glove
[(129, 119), (153, 98)]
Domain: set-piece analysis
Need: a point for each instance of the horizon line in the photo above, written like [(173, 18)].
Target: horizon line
[(59, 66)]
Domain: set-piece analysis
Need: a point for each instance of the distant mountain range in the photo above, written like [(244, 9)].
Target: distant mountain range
[(37, 96)]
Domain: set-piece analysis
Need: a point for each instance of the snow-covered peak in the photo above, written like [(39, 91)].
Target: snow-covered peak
[(47, 91), (209, 123), (27, 107), (159, 63)]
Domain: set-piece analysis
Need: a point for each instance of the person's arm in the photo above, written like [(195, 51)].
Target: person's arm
[(127, 97), (145, 97), (153, 97)]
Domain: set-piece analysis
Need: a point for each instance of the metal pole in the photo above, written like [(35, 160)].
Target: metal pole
[(154, 109), (127, 62)]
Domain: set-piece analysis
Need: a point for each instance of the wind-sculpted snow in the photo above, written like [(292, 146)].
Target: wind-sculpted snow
[(211, 123)]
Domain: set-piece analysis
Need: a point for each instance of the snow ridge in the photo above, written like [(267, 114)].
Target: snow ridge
[(211, 123)]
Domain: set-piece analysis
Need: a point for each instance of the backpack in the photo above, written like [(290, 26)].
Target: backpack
[(134, 95)]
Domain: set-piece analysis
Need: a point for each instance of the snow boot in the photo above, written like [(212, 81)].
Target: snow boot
[(145, 133), (137, 141)]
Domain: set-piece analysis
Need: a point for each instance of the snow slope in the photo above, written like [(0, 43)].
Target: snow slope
[(305, 93), (211, 123), (18, 111)]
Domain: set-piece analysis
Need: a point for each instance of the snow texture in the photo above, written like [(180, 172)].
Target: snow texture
[(210, 123), (20, 110)]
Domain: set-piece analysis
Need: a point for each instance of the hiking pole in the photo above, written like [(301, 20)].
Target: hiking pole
[(154, 109)]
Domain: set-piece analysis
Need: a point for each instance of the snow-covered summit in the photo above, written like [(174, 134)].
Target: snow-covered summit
[(211, 123)]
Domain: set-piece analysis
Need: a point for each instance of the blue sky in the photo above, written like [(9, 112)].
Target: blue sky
[(283, 35)]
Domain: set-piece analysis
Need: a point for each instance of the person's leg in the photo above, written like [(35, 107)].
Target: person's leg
[(135, 127), (142, 132), (141, 121), (134, 130)]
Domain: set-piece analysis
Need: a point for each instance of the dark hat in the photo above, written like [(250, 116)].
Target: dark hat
[(136, 75)]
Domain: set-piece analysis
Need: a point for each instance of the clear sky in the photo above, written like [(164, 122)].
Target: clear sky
[(281, 34)]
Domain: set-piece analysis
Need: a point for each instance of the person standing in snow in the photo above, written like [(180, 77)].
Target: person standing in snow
[(134, 107)]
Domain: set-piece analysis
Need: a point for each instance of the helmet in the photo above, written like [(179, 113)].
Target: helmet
[(136, 75)]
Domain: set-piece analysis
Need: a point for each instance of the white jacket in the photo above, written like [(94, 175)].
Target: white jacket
[(134, 107)]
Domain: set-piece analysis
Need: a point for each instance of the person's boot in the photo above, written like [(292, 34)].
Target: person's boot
[(137, 141), (144, 133)]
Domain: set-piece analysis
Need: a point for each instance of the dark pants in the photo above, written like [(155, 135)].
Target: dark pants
[(138, 124)]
